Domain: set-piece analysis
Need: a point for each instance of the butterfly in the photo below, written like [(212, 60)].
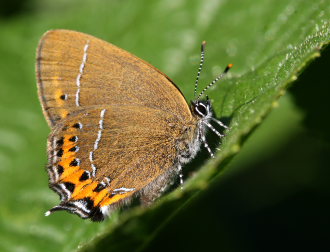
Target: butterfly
[(120, 128)]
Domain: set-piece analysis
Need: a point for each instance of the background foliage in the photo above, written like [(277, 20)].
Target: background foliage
[(271, 191)]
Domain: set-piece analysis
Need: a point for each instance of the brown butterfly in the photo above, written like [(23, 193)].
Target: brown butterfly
[(120, 127)]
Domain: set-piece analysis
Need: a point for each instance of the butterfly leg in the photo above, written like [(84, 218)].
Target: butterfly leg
[(203, 139), (180, 175), (213, 129), (219, 122)]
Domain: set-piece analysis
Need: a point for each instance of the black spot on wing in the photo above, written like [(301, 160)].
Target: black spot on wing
[(69, 186), (84, 176)]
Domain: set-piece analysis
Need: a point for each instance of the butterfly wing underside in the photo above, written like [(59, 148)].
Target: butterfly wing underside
[(76, 70), (115, 120), (107, 159)]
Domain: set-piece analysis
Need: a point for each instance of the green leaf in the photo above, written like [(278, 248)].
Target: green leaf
[(269, 42)]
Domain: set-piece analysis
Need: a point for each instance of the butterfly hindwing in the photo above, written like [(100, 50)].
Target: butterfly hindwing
[(99, 156)]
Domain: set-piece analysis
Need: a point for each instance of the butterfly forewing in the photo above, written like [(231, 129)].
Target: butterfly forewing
[(76, 71)]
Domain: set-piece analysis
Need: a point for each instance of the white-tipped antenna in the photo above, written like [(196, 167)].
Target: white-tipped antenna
[(215, 80), (200, 66)]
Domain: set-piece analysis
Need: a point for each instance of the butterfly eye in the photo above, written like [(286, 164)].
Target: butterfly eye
[(201, 109)]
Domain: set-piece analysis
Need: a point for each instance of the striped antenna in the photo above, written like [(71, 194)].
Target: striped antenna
[(200, 66), (215, 80)]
